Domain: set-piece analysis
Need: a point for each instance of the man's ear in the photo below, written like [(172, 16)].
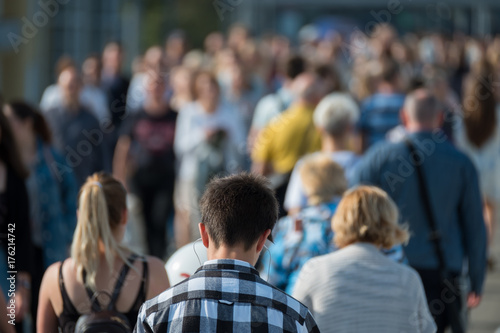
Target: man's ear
[(262, 240), (204, 234)]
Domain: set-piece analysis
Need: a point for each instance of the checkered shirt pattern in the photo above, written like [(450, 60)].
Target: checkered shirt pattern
[(224, 296)]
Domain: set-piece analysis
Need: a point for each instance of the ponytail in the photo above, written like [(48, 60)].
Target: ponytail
[(100, 207)]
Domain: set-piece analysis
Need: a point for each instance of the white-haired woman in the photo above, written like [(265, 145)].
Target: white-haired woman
[(357, 288), (97, 260), (335, 117)]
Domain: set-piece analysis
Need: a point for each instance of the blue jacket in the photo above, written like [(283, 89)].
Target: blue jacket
[(454, 195), (52, 185)]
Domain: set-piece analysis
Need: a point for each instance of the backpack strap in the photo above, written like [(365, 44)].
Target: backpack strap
[(94, 303), (96, 307), (120, 281)]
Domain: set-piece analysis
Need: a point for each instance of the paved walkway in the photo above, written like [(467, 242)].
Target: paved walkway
[(486, 318)]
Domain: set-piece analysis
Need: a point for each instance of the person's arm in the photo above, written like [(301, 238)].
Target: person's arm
[(46, 315), (474, 232), (158, 279), (120, 159), (136, 93)]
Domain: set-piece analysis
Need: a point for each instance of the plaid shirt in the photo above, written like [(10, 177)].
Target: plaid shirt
[(224, 296)]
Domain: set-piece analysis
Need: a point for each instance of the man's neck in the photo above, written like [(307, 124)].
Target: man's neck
[(417, 128), (331, 145), (301, 103), (236, 253), (386, 88)]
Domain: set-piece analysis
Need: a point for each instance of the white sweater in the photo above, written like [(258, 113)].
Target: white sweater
[(358, 289)]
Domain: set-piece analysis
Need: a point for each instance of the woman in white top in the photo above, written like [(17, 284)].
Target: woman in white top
[(478, 135), (357, 288), (209, 140)]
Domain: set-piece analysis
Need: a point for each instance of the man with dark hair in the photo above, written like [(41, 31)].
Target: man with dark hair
[(380, 111), (436, 189), (226, 294)]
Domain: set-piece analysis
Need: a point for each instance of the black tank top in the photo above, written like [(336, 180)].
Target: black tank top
[(69, 316)]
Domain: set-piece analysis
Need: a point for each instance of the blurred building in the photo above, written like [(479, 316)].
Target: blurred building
[(448, 16), (35, 33)]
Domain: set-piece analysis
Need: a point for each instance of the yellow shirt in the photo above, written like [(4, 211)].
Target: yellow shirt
[(287, 138)]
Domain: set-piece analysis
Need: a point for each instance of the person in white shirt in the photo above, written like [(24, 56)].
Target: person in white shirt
[(335, 117), (209, 140), (91, 96)]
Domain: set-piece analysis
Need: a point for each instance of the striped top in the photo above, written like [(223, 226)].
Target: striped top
[(358, 289), (224, 296)]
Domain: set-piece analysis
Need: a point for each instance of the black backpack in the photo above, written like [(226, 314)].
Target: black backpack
[(109, 319)]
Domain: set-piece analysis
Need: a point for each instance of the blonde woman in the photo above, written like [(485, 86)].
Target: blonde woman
[(97, 259), (357, 288)]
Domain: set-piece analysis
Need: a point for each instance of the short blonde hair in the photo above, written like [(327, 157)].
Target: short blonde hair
[(368, 214), (322, 178)]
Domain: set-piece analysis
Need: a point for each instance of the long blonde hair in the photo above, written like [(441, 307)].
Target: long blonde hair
[(101, 203)]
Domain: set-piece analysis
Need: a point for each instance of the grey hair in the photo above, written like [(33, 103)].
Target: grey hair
[(422, 106), (335, 113)]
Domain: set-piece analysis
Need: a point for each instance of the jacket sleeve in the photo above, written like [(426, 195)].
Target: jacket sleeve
[(473, 228)]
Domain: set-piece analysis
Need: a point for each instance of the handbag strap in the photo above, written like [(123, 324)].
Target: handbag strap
[(434, 235)]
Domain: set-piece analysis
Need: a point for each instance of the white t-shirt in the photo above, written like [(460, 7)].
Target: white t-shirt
[(192, 124)]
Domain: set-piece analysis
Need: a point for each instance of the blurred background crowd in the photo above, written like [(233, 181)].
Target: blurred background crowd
[(166, 121)]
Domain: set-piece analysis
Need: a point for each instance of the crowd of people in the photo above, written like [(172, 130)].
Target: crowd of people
[(105, 156)]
